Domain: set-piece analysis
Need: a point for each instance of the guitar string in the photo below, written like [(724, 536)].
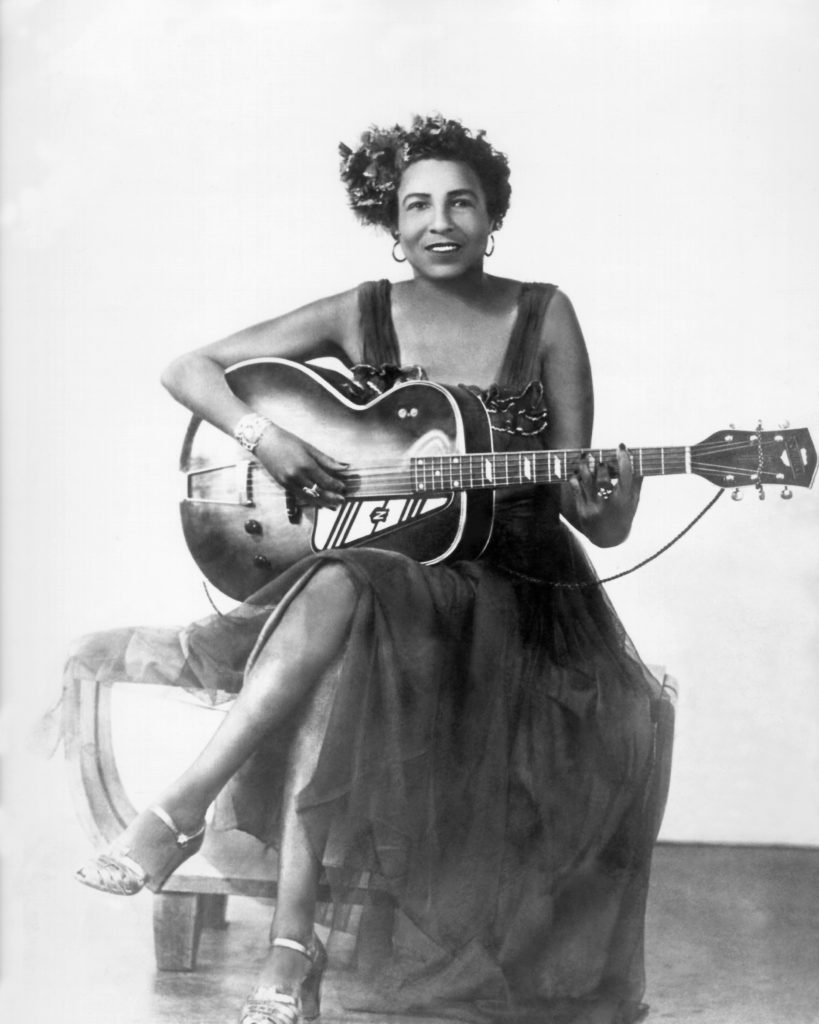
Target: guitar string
[(653, 456), (401, 474), (402, 479), (404, 487), (395, 469)]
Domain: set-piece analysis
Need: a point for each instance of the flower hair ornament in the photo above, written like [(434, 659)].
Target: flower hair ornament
[(372, 172)]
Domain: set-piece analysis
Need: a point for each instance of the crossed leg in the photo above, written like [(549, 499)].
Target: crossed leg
[(303, 650)]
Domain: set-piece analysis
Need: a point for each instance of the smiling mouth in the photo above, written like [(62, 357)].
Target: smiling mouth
[(443, 247)]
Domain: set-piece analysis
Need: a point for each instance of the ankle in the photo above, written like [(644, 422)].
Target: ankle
[(185, 814), (284, 969)]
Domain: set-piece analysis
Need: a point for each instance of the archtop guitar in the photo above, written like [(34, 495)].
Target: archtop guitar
[(422, 474)]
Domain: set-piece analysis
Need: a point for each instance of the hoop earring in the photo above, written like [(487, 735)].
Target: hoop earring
[(492, 240), (397, 243)]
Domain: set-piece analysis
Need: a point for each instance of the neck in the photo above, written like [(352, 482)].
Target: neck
[(465, 286)]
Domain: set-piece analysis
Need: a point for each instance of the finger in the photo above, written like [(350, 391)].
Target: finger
[(625, 468), (327, 461), (314, 494), (326, 481), (329, 499), (583, 492), (586, 471)]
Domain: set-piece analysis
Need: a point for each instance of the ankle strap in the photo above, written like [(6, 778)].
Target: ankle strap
[(292, 944)]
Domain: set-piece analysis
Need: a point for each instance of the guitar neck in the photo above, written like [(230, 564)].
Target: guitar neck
[(491, 470)]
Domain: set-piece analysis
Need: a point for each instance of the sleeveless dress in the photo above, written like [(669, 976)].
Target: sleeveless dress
[(488, 750)]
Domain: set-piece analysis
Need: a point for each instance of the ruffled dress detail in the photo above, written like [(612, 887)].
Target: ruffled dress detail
[(487, 754)]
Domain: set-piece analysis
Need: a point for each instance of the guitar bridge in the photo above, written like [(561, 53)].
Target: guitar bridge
[(231, 484)]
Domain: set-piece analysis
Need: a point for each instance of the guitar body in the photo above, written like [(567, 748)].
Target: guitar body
[(235, 518), (421, 473)]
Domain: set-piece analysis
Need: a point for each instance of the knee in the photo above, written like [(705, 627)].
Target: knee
[(315, 624), (331, 588)]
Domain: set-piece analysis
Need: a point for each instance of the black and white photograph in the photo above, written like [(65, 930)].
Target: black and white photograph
[(409, 532)]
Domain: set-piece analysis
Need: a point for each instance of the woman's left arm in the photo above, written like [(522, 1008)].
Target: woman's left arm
[(598, 500)]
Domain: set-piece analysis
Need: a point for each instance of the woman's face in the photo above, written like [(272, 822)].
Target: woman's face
[(442, 220)]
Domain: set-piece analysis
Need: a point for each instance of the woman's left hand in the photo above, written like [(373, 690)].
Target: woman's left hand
[(605, 502)]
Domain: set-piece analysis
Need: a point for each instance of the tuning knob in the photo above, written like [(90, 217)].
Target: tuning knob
[(787, 493), (785, 425), (736, 494), (760, 494)]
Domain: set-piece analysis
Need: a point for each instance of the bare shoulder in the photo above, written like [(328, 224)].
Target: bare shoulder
[(561, 328), (566, 375)]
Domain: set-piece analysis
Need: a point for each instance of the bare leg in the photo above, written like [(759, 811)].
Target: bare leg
[(303, 650), (306, 643), (299, 863)]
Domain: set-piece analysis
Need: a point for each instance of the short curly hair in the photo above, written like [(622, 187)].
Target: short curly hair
[(373, 172)]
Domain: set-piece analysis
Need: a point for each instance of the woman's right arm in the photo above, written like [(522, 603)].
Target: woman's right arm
[(197, 380)]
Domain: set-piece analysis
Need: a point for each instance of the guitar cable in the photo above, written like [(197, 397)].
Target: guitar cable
[(586, 584)]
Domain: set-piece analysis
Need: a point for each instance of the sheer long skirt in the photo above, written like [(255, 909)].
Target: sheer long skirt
[(486, 760)]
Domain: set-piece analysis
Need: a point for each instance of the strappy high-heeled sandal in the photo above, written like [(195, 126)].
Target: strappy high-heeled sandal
[(278, 1005), (145, 855)]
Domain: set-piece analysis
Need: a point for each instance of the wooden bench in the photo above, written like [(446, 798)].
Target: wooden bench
[(229, 863)]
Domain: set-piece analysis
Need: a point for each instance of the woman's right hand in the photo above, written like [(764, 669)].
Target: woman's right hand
[(298, 466)]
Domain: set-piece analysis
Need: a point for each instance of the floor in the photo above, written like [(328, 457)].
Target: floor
[(733, 936)]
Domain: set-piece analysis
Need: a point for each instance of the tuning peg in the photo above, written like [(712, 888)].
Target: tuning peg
[(760, 492), (785, 425), (759, 424), (732, 426), (786, 493), (736, 494)]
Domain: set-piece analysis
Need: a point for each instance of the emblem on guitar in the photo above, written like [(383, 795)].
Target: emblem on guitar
[(423, 476)]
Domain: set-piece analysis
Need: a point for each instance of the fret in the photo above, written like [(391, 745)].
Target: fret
[(463, 472)]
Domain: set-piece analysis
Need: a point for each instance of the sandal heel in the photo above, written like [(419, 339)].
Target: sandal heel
[(311, 986)]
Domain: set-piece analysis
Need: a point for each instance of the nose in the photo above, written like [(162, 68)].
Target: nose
[(441, 220)]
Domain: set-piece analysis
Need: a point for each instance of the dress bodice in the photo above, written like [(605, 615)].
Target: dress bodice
[(381, 345), (515, 403)]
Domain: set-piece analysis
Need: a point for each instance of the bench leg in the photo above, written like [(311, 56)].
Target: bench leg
[(177, 924), (213, 910)]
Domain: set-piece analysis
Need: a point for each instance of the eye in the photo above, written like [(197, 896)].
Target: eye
[(416, 204), (462, 201)]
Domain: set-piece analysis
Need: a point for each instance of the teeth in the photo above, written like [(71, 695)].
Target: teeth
[(443, 248)]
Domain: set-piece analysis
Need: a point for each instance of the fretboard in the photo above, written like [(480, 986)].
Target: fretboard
[(507, 469)]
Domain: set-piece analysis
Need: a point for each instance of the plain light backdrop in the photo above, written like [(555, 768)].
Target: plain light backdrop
[(170, 175)]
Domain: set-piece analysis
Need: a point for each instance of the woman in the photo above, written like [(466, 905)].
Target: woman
[(476, 735)]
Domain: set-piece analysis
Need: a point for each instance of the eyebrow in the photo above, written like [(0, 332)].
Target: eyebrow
[(454, 192)]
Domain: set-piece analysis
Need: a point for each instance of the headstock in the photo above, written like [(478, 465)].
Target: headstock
[(739, 458)]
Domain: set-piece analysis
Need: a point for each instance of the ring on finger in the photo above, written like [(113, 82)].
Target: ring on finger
[(604, 493), (312, 491)]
